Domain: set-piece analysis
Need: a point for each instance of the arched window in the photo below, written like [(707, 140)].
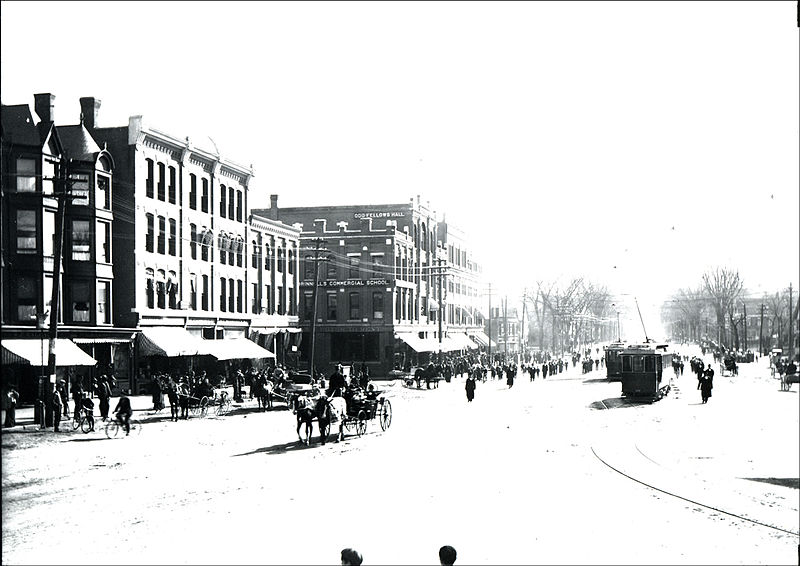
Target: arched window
[(161, 289), (281, 259), (208, 241), (223, 244), (172, 289), (424, 237)]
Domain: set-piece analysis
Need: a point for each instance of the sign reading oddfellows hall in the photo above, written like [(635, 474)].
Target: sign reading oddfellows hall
[(379, 290)]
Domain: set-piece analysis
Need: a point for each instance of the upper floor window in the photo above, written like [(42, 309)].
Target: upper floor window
[(161, 289), (173, 236), (291, 262), (204, 197), (231, 198), (309, 267), (354, 263), (207, 240), (26, 232), (150, 289), (172, 190), (162, 234), (239, 206), (26, 175), (281, 259), (150, 183), (377, 305), (81, 240), (79, 291), (267, 257), (377, 266), (331, 271), (256, 260), (239, 251), (193, 191), (27, 292), (355, 306), (193, 241), (103, 242), (162, 182), (148, 242), (103, 192), (103, 302), (223, 200)]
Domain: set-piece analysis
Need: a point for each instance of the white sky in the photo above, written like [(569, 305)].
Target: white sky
[(566, 138)]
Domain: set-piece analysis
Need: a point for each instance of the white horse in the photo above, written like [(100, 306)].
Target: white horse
[(331, 410)]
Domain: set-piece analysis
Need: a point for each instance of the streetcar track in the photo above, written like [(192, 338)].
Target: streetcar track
[(794, 533)]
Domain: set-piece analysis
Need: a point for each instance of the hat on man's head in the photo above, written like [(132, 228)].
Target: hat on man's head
[(351, 556)]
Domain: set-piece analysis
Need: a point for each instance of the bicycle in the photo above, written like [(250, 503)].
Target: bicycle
[(222, 403), (82, 421), (115, 428)]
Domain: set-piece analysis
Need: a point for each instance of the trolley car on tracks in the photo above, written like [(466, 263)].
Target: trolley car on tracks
[(613, 363), (642, 370)]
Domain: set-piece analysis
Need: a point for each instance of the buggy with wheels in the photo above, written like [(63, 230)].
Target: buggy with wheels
[(789, 376), (728, 366), (365, 406)]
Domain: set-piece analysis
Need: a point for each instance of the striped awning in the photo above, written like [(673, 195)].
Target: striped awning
[(462, 341), (418, 344), (482, 338), (36, 352), (168, 341), (234, 349)]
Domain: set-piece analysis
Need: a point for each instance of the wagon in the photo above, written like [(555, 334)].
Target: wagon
[(368, 408), (787, 379)]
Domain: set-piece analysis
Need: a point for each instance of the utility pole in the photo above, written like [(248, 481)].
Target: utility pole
[(490, 323), (791, 326), (744, 305), (317, 259), (505, 326), (761, 331), (441, 307), (522, 330)]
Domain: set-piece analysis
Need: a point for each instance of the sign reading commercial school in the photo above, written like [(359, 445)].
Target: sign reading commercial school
[(348, 283), (387, 214)]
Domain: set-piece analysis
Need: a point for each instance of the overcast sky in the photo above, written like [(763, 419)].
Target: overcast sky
[(637, 144)]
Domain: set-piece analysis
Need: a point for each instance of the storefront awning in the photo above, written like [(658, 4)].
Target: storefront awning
[(36, 353), (482, 339), (418, 344), (462, 341), (168, 341), (234, 349), (104, 340)]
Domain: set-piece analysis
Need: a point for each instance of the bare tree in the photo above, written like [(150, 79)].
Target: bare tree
[(723, 286)]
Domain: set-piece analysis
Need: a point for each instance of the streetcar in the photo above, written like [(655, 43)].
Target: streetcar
[(613, 363), (642, 370)]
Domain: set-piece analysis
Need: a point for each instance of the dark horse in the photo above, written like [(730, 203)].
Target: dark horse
[(326, 411)]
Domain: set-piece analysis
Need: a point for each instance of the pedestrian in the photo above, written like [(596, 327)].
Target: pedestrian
[(706, 383), (470, 388), (172, 395), (88, 407), (510, 371), (447, 555), (158, 395), (104, 393), (77, 396), (11, 398), (62, 389), (183, 396), (351, 557), (56, 401)]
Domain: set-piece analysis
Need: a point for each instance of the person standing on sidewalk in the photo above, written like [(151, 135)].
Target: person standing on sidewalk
[(11, 398), (62, 389), (104, 393), (469, 387), (706, 383), (57, 406)]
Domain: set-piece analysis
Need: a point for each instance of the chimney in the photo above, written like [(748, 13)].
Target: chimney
[(320, 225), (273, 207), (44, 104), (90, 107)]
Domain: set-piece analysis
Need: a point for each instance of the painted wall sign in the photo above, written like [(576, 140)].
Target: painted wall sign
[(348, 283), (387, 214)]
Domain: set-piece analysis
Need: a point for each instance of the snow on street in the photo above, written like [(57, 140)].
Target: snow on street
[(514, 477)]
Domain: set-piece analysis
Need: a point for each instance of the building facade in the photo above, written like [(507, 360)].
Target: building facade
[(383, 281), (41, 163)]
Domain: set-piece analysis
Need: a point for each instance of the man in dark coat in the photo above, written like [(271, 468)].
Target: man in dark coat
[(706, 383), (104, 394), (56, 400), (337, 383), (470, 388)]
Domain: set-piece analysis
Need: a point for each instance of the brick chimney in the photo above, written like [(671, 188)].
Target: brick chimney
[(90, 108), (44, 104), (273, 207)]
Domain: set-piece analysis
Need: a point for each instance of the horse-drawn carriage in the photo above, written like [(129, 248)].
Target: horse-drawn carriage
[(351, 412), (728, 367)]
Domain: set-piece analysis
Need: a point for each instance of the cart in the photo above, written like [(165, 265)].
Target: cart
[(368, 408)]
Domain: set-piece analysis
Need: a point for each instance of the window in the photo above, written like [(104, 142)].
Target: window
[(231, 297), (193, 291), (332, 304), (292, 305), (254, 298), (26, 298), (231, 198), (309, 267), (239, 251), (207, 238), (222, 200), (162, 182), (291, 262), (172, 185), (353, 263), (256, 261), (103, 193), (48, 177), (223, 243), (638, 364), (48, 233), (26, 175), (267, 257), (377, 266), (281, 259), (355, 346), (150, 290), (204, 197), (204, 295), (103, 242), (161, 289), (162, 234), (81, 240), (193, 240), (308, 306), (150, 174), (331, 269), (26, 231), (193, 191), (267, 299), (223, 303), (172, 289), (280, 301), (79, 290), (239, 295), (377, 305), (649, 364), (173, 236), (239, 206), (626, 363), (103, 302), (148, 243), (355, 306)]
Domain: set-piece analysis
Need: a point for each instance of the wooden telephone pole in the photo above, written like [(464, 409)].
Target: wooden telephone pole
[(317, 259)]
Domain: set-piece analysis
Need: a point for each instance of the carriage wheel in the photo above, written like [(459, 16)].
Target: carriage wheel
[(112, 428), (386, 414), (224, 407), (204, 406), (784, 384), (76, 423), (361, 424)]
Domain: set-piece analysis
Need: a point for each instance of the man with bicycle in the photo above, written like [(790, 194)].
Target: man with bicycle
[(124, 412)]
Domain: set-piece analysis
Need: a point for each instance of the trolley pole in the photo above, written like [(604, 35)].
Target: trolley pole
[(317, 259), (490, 323)]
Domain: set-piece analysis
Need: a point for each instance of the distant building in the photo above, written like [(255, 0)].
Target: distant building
[(387, 273), (504, 327)]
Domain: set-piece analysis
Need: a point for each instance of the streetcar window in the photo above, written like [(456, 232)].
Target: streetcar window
[(649, 364), (626, 363), (638, 363)]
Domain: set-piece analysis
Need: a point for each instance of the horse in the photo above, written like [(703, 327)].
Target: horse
[(330, 410), (306, 411)]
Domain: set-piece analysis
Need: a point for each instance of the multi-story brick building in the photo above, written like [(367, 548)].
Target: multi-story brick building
[(504, 327), (384, 278), (40, 162), (182, 244)]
